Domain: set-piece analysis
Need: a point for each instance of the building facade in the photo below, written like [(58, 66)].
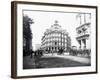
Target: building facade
[(83, 32), (55, 38)]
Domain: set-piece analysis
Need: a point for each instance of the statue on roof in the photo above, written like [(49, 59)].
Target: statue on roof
[(56, 24)]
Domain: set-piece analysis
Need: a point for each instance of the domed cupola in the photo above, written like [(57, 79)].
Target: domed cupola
[(55, 26)]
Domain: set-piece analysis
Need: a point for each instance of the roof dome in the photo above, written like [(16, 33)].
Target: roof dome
[(55, 27)]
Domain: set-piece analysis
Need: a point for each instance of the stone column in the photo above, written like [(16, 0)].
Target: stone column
[(84, 41), (79, 43)]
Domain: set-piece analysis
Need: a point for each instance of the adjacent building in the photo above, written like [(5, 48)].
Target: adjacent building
[(55, 38), (83, 31)]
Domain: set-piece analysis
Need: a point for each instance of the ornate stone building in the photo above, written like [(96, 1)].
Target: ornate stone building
[(55, 38), (83, 31)]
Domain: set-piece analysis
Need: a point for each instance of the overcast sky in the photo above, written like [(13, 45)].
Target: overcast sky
[(44, 20)]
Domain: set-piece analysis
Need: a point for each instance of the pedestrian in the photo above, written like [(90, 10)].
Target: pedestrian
[(36, 58), (31, 53)]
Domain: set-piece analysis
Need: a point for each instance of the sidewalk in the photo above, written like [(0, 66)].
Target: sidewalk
[(73, 58)]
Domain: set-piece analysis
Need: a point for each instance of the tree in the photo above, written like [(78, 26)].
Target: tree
[(27, 35)]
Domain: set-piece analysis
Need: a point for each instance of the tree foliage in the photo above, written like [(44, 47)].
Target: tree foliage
[(26, 27), (27, 35)]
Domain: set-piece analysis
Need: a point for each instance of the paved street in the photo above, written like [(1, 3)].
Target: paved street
[(73, 58), (53, 61)]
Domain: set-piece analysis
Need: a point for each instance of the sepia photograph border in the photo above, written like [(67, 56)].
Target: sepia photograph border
[(14, 38)]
